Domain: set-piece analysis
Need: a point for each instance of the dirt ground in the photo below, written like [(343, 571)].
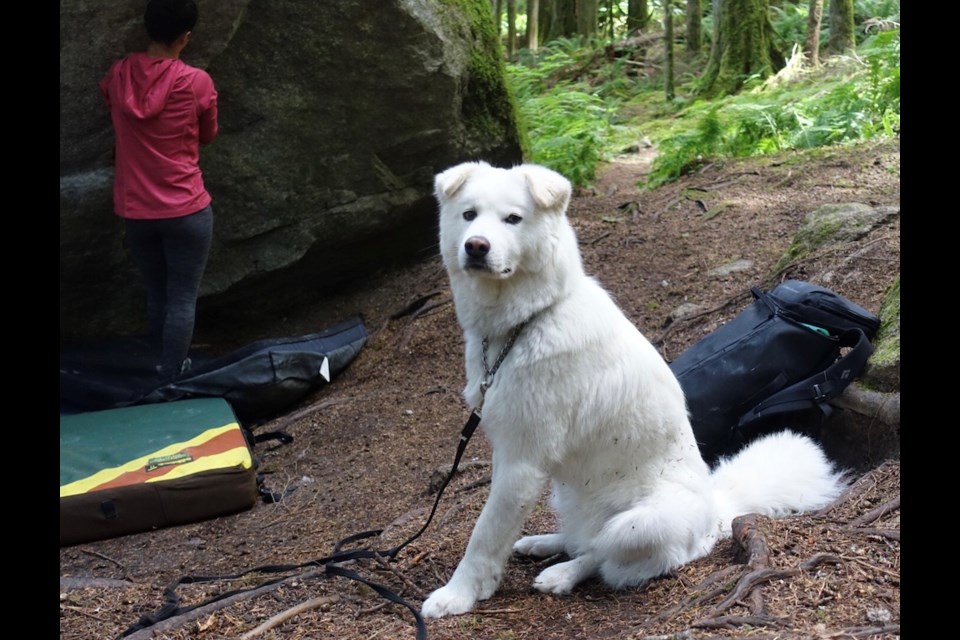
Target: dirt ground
[(367, 445)]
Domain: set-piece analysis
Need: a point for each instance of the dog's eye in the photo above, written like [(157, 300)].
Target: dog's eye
[(469, 215), (512, 219)]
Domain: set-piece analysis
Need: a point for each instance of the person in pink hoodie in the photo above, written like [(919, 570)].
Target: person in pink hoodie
[(162, 111)]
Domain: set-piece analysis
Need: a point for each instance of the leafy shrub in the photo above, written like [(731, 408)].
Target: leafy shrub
[(862, 106)]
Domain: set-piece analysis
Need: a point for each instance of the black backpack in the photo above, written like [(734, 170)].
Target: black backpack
[(776, 365)]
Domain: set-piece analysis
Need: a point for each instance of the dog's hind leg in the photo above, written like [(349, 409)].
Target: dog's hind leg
[(542, 546), (662, 532), (563, 577)]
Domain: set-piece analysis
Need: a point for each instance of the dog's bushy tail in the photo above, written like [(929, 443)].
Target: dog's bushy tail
[(777, 475)]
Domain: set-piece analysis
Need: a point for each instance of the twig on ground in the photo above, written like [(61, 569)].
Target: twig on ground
[(864, 563), (84, 582), (283, 616), (866, 632), (698, 595), (494, 612), (440, 474), (81, 611), (410, 584), (417, 558), (736, 299), (597, 239), (103, 557), (282, 423), (732, 622), (819, 558), (475, 484), (865, 482)]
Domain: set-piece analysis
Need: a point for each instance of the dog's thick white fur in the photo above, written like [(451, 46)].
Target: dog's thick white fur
[(585, 401)]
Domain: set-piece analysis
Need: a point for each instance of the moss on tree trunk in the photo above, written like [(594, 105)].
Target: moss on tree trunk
[(842, 33), (743, 47)]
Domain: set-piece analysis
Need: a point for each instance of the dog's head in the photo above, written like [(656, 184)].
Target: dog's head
[(496, 222)]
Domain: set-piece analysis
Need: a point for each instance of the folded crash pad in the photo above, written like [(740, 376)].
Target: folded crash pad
[(149, 466)]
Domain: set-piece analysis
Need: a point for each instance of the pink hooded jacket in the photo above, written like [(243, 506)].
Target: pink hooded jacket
[(162, 110)]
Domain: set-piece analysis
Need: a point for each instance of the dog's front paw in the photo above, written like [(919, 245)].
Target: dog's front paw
[(447, 601)]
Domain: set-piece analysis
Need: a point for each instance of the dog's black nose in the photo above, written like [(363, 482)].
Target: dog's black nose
[(477, 246)]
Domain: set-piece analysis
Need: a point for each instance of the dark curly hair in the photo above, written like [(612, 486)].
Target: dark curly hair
[(167, 20)]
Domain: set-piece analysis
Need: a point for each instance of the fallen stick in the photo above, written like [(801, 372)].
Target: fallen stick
[(865, 482), (194, 614), (283, 616), (732, 622)]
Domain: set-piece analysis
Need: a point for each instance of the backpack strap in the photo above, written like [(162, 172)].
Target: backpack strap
[(816, 390)]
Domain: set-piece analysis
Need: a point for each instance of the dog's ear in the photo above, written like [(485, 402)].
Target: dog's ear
[(447, 183), (549, 189)]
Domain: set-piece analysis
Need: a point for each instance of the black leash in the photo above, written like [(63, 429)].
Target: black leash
[(172, 608)]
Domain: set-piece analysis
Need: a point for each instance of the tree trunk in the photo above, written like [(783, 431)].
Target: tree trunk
[(533, 22), (812, 45), (511, 29), (638, 16), (497, 12), (558, 19), (742, 47), (668, 42), (694, 31), (842, 35), (587, 18)]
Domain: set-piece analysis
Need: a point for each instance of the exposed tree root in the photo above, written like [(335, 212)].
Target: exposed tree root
[(411, 323), (889, 534), (415, 305), (875, 514), (884, 407), (746, 533), (747, 583), (711, 587)]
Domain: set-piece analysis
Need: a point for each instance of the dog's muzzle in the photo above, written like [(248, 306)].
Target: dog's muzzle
[(476, 249)]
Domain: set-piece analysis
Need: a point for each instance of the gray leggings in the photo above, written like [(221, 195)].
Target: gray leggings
[(171, 255)]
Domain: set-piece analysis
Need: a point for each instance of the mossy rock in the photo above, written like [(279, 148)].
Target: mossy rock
[(834, 224), (883, 368)]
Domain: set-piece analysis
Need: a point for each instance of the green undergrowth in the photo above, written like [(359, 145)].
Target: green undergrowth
[(580, 108), (850, 98)]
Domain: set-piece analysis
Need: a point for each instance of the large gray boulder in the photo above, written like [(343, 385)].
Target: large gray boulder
[(334, 118)]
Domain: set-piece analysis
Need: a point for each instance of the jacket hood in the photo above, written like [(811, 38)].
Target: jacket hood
[(142, 84)]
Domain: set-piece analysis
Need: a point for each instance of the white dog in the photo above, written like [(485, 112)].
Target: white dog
[(584, 400)]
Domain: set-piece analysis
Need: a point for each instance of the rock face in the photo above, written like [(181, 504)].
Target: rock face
[(334, 118)]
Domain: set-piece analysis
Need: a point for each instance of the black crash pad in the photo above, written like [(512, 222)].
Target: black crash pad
[(257, 380)]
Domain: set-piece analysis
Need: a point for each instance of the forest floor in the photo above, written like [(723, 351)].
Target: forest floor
[(367, 445)]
